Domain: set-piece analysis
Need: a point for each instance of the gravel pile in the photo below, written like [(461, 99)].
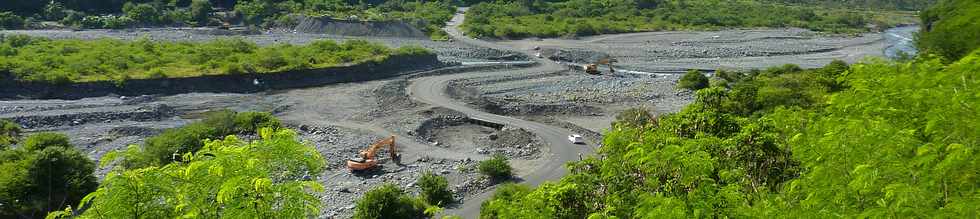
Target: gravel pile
[(511, 142), (567, 93)]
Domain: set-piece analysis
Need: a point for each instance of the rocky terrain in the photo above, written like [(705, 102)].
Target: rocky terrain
[(729, 49), (341, 119)]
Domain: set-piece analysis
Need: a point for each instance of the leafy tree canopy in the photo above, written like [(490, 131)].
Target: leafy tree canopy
[(268, 178), (884, 139), (44, 174)]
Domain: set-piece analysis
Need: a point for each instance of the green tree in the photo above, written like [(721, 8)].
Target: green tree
[(145, 14), (201, 12), (46, 176), (255, 11), (54, 11), (435, 189), (389, 201), (10, 20), (693, 80), (267, 178), (497, 167)]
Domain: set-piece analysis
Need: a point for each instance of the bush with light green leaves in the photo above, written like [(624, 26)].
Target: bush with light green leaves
[(273, 177)]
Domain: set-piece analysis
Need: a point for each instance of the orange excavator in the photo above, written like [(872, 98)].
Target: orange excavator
[(368, 160), (593, 68)]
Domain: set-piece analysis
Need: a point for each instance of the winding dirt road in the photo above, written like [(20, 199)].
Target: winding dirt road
[(432, 90)]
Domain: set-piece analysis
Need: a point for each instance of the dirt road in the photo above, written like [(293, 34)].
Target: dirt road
[(432, 90)]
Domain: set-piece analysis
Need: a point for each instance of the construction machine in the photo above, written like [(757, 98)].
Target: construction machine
[(368, 159), (593, 68)]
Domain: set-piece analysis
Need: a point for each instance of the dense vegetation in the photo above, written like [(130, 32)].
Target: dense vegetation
[(61, 61), (878, 139), (497, 167), (428, 16), (517, 19), (909, 5), (230, 178), (950, 29), (202, 171), (9, 133), (389, 201), (693, 80), (45, 173), (169, 145), (435, 189)]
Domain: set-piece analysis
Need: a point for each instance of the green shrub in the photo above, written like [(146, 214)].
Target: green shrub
[(73, 18), (435, 189), (693, 80), (40, 141), (389, 201), (54, 11), (497, 167), (44, 175), (9, 133), (161, 149), (506, 191), (249, 122), (9, 20), (272, 177), (142, 13), (172, 143), (200, 12)]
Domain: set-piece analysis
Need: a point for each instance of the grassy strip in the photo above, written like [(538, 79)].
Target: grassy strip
[(63, 61)]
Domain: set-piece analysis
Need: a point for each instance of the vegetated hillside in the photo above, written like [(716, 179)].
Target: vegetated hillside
[(950, 29), (428, 16), (909, 5), (59, 61), (880, 139), (502, 19)]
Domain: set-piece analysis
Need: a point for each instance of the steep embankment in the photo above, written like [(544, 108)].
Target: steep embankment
[(239, 83)]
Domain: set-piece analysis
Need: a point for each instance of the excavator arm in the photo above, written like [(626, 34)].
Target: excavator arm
[(367, 157)]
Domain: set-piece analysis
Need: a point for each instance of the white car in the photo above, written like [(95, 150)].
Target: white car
[(576, 139)]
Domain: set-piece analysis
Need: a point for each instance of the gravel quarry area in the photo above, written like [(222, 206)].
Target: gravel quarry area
[(587, 101), (341, 119)]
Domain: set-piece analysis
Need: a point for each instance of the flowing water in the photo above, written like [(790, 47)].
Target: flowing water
[(901, 40)]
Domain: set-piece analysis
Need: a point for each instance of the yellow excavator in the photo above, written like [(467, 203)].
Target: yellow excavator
[(593, 68), (368, 160)]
